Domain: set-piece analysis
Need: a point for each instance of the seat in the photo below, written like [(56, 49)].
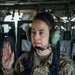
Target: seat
[(65, 44), (73, 49)]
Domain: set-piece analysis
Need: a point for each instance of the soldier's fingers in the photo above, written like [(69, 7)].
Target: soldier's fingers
[(10, 61), (4, 60), (3, 52), (12, 57), (6, 46), (9, 49)]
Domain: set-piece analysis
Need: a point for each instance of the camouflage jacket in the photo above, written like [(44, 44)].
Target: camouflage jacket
[(42, 68)]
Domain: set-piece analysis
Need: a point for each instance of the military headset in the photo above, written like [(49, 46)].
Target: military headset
[(54, 34)]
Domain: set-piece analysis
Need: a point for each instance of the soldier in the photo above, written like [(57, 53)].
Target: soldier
[(39, 60)]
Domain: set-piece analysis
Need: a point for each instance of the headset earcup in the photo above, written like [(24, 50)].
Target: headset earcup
[(54, 36), (28, 34), (50, 35)]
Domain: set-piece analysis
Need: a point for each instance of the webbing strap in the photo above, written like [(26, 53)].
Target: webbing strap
[(56, 59)]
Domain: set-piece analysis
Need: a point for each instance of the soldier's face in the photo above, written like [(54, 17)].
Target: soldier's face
[(40, 34)]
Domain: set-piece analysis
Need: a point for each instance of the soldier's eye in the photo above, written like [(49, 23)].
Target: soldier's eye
[(33, 32), (42, 33)]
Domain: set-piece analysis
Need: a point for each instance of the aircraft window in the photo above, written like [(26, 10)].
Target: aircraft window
[(13, 19), (6, 28), (60, 26), (27, 15)]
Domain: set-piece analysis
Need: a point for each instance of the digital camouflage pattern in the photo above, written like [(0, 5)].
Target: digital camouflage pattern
[(42, 68)]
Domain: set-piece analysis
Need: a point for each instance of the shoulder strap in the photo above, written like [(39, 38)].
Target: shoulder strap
[(27, 63), (56, 59)]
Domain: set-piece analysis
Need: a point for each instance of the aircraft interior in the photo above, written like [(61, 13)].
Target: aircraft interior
[(16, 18)]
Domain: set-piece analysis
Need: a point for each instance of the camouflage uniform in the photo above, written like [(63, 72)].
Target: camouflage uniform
[(42, 68)]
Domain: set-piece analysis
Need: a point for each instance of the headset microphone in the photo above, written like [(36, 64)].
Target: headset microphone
[(40, 48)]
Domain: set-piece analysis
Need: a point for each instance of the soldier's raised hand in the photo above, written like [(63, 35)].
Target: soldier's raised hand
[(7, 56)]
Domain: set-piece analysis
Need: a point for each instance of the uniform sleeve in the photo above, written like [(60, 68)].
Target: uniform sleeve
[(8, 72), (67, 66), (19, 68), (68, 70)]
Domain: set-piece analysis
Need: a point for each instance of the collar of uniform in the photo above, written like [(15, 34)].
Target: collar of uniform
[(36, 60), (37, 63), (50, 58)]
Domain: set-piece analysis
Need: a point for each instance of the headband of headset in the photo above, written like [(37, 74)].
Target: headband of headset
[(46, 17)]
